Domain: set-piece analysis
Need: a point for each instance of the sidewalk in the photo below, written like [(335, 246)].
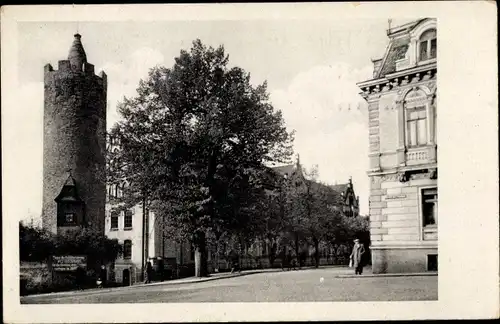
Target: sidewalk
[(367, 273)]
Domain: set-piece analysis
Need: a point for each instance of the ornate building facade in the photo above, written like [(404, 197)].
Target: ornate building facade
[(401, 99), (74, 182)]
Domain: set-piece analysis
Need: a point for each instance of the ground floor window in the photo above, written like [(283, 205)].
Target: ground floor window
[(127, 249), (429, 207), (432, 262)]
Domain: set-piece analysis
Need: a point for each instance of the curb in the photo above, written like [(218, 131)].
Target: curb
[(387, 275)]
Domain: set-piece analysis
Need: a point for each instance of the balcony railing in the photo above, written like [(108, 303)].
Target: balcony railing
[(419, 155)]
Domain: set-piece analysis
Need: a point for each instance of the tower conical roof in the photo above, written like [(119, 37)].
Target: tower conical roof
[(70, 181), (77, 54)]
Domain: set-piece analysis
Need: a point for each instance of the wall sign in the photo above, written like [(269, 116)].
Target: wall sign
[(389, 197), (68, 262)]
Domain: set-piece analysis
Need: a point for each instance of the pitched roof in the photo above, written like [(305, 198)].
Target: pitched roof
[(340, 188), (69, 191), (285, 169), (397, 50)]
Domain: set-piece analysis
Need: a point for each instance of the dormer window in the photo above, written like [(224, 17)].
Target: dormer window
[(428, 45)]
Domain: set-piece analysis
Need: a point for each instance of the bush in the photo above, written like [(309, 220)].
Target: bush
[(37, 244)]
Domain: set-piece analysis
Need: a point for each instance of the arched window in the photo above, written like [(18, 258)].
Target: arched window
[(127, 249), (428, 45)]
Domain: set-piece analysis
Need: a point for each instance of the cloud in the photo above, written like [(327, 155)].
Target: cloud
[(323, 106), (22, 152), (23, 143), (124, 77)]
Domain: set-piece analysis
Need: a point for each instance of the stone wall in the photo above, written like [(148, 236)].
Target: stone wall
[(407, 260)]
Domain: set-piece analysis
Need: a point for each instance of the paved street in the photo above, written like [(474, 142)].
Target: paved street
[(290, 286)]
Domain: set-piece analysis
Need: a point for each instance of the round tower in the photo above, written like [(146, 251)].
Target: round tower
[(74, 143)]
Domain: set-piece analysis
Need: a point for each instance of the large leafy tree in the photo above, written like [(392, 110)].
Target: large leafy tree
[(194, 141)]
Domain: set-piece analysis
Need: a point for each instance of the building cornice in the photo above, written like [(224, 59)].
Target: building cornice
[(419, 68), (376, 87), (401, 169)]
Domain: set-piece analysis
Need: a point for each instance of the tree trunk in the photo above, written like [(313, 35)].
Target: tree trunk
[(316, 252), (297, 250), (272, 254), (200, 256)]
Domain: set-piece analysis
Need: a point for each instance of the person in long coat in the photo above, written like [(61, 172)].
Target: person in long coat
[(357, 253)]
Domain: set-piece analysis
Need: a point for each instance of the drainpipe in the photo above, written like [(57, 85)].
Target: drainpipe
[(143, 263)]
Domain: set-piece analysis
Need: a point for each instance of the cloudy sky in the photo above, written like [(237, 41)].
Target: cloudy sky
[(311, 67)]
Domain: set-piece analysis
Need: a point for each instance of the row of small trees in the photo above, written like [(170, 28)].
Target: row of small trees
[(195, 143), (302, 212)]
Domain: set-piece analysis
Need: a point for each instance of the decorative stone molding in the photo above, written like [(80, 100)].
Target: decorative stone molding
[(402, 177), (415, 78), (384, 178), (433, 174), (417, 176)]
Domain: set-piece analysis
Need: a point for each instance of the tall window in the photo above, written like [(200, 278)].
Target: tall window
[(416, 126), (128, 219), (110, 191), (428, 45), (429, 207), (114, 220), (127, 249), (119, 191)]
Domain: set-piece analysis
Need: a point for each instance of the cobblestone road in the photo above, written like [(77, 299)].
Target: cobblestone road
[(288, 286)]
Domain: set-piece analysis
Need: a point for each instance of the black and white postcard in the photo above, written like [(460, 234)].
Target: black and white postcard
[(250, 162)]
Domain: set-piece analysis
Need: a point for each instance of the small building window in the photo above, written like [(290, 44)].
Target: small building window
[(128, 219), (429, 207), (432, 262), (428, 45), (114, 220), (127, 249), (416, 126)]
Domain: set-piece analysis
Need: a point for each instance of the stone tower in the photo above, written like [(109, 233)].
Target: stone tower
[(74, 139)]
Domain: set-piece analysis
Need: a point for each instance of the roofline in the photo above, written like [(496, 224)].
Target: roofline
[(405, 27), (418, 68)]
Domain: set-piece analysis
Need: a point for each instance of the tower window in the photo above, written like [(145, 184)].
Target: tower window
[(428, 45), (127, 249), (69, 219)]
